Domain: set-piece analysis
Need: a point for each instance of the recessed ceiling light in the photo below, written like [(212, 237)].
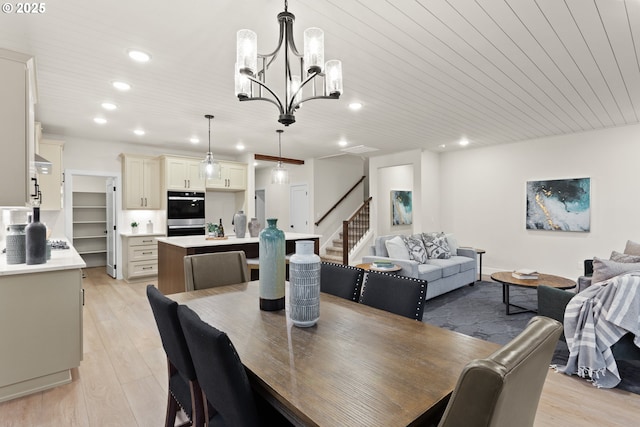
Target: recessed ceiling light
[(139, 132), (355, 106), (442, 145), (123, 86), (194, 140), (239, 146), (100, 120), (138, 55), (342, 143), (109, 106), (464, 141), (255, 163)]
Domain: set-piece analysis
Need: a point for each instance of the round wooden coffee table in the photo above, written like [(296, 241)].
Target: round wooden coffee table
[(508, 280), (369, 266)]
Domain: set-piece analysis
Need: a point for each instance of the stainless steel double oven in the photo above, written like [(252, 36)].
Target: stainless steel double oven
[(185, 213)]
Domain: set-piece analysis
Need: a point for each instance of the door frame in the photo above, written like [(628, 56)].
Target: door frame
[(68, 207)]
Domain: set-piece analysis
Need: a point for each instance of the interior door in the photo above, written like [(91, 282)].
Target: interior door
[(110, 227), (299, 209)]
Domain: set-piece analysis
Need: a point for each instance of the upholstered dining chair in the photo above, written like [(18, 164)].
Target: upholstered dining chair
[(341, 280), (397, 294), (184, 389), (504, 389), (215, 269), (223, 377)]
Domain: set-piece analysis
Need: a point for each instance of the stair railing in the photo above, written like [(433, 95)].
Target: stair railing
[(340, 201), (354, 228)]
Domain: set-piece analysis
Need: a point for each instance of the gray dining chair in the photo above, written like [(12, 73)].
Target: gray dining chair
[(215, 269), (183, 389), (504, 389), (223, 378), (341, 280), (397, 294)]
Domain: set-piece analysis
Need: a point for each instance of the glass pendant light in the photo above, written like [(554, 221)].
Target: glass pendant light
[(209, 167), (279, 174)]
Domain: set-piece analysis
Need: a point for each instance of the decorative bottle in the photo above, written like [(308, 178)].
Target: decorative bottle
[(254, 227), (220, 229), (272, 267), (304, 285), (240, 224), (36, 240)]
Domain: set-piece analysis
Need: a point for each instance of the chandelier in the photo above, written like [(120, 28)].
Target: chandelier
[(279, 174), (250, 81), (209, 167)]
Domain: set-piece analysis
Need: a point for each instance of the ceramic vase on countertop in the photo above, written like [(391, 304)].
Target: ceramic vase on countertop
[(36, 240), (254, 227), (16, 249), (304, 285), (272, 267), (240, 224)]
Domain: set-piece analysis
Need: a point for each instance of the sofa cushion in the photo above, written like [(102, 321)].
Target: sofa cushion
[(396, 248), (632, 248), (449, 266), (618, 257), (429, 272), (436, 245), (465, 262), (604, 269), (416, 249)]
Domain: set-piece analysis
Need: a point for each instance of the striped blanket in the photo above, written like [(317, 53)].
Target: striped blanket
[(597, 318)]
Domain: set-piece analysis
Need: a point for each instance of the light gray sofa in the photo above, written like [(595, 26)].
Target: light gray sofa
[(442, 275)]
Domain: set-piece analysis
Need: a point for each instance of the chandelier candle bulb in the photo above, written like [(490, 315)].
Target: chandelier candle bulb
[(247, 52), (314, 49), (334, 77)]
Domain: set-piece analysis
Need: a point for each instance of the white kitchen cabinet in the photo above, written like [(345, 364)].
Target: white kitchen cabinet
[(51, 183), (233, 177), (182, 173), (140, 255), (141, 182), (18, 96)]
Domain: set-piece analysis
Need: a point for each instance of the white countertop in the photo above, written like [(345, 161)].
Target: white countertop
[(130, 234), (61, 259), (199, 241)]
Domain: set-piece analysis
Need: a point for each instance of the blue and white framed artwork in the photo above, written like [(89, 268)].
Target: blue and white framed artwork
[(559, 205), (401, 207)]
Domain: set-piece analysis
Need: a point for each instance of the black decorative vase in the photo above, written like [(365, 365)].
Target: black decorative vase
[(36, 240)]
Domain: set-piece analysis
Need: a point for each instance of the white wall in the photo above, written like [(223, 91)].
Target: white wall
[(483, 198)]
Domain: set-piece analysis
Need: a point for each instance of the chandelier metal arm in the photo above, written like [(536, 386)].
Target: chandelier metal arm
[(275, 101)]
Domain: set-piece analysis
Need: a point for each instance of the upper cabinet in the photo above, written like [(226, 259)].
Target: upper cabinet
[(182, 173), (18, 96), (141, 182), (233, 177), (51, 183)]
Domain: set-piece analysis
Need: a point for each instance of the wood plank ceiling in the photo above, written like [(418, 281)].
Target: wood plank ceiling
[(428, 72)]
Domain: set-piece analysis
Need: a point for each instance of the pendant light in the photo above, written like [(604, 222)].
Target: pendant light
[(279, 174), (209, 167)]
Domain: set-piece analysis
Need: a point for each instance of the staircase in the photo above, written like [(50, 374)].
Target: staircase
[(333, 253)]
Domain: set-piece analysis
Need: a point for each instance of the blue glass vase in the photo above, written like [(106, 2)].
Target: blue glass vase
[(272, 267)]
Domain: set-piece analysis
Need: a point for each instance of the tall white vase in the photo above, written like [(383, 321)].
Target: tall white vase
[(304, 285)]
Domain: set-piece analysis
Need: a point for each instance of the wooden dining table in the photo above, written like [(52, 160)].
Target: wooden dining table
[(358, 366)]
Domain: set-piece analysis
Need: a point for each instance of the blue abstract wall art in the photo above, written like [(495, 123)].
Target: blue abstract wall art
[(559, 204), (401, 207)]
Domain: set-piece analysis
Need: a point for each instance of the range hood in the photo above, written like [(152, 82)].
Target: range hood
[(43, 165)]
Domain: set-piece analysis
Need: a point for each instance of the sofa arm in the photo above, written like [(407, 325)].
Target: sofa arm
[(468, 252), (552, 303), (409, 267)]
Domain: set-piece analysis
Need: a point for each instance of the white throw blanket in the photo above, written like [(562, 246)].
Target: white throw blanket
[(597, 318)]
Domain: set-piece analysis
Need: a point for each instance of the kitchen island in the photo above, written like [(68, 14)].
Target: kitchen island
[(172, 250), (40, 323)]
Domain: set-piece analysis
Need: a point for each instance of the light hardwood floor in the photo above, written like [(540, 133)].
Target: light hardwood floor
[(122, 379)]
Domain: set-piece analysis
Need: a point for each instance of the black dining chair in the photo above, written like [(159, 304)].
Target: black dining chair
[(341, 280), (184, 389), (223, 378), (397, 294)]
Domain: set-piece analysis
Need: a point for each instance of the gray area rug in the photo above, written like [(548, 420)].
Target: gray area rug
[(478, 311)]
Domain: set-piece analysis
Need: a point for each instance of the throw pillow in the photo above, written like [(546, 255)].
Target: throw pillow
[(416, 249), (632, 248), (618, 257), (436, 245), (453, 243), (605, 269), (396, 248)]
